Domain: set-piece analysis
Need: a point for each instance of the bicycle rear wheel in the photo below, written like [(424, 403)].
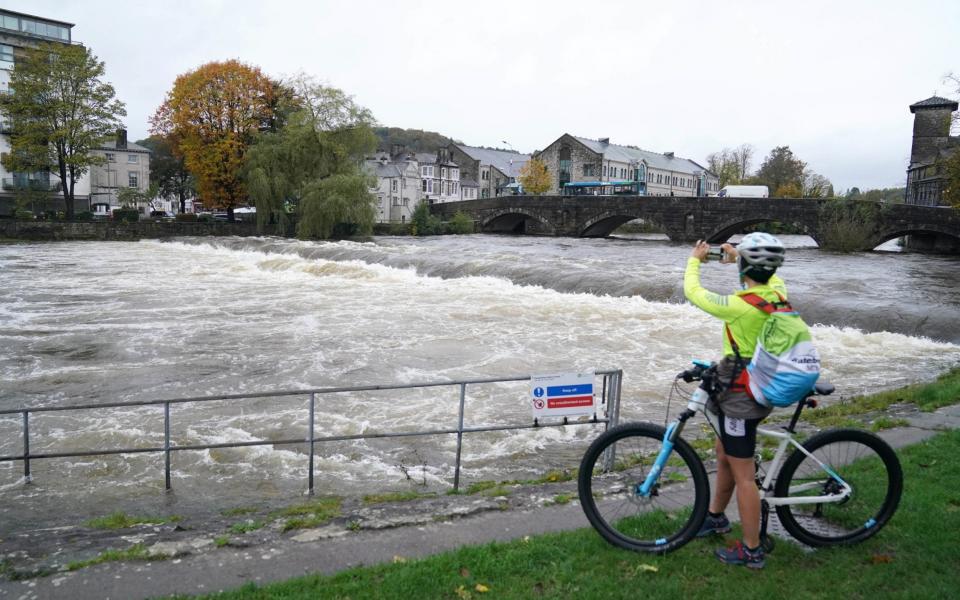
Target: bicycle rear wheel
[(863, 461), (613, 468)]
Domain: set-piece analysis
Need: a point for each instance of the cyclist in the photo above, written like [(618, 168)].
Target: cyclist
[(757, 256)]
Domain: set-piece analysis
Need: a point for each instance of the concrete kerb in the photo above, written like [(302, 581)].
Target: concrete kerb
[(394, 532)]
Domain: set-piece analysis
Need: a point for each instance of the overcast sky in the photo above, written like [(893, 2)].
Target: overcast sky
[(833, 80)]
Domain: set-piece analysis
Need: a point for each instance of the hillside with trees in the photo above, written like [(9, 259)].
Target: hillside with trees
[(414, 140)]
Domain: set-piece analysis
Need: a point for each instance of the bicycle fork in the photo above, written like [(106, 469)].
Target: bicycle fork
[(649, 485)]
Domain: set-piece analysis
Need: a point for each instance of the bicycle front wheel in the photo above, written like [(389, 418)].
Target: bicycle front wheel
[(857, 458), (612, 470)]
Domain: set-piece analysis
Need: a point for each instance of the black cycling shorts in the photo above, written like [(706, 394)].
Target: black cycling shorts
[(738, 436)]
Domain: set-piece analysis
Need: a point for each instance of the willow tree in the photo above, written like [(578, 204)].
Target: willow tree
[(213, 113), (59, 112), (311, 165)]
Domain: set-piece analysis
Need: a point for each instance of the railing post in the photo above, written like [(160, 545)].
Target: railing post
[(456, 474), (310, 436), (166, 445), (613, 416), (26, 447)]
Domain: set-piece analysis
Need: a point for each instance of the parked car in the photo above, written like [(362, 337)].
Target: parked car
[(162, 215)]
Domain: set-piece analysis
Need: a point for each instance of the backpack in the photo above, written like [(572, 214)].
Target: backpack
[(785, 365)]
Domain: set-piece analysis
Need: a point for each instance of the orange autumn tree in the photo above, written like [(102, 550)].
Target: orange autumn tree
[(213, 114), (534, 177)]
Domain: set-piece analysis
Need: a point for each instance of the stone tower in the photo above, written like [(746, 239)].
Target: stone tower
[(931, 142), (931, 128)]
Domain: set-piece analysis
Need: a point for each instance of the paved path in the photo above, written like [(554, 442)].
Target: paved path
[(228, 568)]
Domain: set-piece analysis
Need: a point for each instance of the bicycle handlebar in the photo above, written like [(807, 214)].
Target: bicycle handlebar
[(700, 368)]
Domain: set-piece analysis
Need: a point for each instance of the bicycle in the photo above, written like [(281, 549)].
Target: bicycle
[(644, 488)]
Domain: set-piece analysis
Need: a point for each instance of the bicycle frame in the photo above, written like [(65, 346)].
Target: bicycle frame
[(786, 439)]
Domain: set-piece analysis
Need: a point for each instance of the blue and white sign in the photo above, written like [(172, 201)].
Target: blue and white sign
[(562, 395)]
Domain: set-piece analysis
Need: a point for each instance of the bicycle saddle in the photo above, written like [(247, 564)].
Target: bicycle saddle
[(823, 388)]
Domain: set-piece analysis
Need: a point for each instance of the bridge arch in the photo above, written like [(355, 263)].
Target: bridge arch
[(729, 228), (929, 232), (607, 222), (515, 220)]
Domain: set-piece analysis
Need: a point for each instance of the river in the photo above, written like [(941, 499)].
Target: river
[(92, 322)]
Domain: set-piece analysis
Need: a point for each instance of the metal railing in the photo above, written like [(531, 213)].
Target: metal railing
[(609, 398)]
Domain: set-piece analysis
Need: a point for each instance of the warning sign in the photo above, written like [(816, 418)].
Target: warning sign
[(562, 394)]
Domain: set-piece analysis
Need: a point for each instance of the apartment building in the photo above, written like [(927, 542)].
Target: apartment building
[(439, 177), (396, 184), (125, 165), (579, 165), (18, 32)]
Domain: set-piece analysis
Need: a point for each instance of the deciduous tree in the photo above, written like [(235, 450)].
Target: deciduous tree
[(732, 167), (781, 170), (310, 166), (213, 114), (534, 177), (59, 111), (168, 170)]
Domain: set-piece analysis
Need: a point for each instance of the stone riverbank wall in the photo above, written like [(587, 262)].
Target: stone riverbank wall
[(107, 230)]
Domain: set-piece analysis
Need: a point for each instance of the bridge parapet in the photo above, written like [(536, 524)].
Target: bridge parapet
[(688, 219)]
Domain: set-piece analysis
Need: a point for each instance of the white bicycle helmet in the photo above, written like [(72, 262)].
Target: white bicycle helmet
[(760, 255)]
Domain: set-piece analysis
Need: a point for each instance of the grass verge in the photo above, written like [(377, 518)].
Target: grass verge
[(310, 514), (135, 552), (914, 556), (925, 396), (121, 520)]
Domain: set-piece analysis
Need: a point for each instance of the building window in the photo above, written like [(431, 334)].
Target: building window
[(443, 172), (589, 170), (111, 157), (424, 185), (604, 170), (429, 186), (10, 22), (453, 187), (133, 179), (393, 185), (454, 173), (133, 159), (6, 53)]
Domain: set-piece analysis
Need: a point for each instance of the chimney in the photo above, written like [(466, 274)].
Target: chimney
[(121, 138), (605, 140), (668, 154)]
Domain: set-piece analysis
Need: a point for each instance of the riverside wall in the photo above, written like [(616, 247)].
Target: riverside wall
[(11, 229)]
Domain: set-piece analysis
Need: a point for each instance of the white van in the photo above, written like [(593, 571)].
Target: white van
[(744, 191)]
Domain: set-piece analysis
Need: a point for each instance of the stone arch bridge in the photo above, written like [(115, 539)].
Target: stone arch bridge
[(687, 219)]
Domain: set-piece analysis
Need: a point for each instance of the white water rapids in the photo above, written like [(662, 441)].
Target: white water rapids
[(97, 322)]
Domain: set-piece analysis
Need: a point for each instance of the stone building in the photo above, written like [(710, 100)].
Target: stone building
[(397, 184), (439, 177), (580, 165), (19, 31), (932, 143), (126, 165), (493, 170)]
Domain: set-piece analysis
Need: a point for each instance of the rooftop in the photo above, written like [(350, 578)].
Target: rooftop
[(507, 162), (29, 16), (430, 158), (934, 102), (631, 155), (112, 145)]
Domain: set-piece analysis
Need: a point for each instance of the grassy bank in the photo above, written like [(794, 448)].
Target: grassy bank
[(915, 556)]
